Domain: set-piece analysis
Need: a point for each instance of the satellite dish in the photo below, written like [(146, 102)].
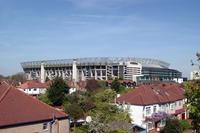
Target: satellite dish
[(88, 119)]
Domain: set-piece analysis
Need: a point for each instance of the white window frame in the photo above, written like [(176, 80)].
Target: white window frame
[(180, 103), (150, 126), (148, 112), (154, 107), (172, 106)]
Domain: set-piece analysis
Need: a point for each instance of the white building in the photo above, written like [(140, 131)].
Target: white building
[(33, 87), (150, 105), (178, 80)]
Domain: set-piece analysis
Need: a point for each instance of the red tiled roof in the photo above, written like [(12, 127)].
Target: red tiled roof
[(32, 84), (153, 94), (17, 107)]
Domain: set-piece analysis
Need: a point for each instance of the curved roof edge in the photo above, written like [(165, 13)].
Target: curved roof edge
[(146, 62)]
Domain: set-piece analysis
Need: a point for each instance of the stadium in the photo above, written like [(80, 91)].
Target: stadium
[(101, 68)]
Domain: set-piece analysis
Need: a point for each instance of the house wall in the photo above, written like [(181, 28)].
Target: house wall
[(139, 113), (136, 113), (61, 126)]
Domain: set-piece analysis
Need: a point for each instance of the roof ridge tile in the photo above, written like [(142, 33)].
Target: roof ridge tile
[(5, 93)]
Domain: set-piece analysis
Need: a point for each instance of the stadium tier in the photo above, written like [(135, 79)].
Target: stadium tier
[(101, 68)]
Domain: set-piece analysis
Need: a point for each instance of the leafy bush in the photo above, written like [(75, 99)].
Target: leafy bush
[(122, 89), (78, 130), (103, 84), (172, 126), (118, 131), (107, 95), (185, 125), (115, 85), (45, 99), (74, 110)]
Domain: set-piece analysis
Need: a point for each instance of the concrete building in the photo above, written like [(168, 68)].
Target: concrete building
[(20, 113), (33, 87), (150, 105), (101, 68)]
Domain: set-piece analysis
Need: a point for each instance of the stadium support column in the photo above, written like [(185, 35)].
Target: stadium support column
[(42, 74), (74, 71), (95, 74), (101, 73), (106, 73)]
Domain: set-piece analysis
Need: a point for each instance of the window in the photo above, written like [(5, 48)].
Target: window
[(128, 107), (154, 109), (162, 123), (34, 89), (150, 126), (180, 103), (175, 104), (148, 110), (172, 106), (29, 89), (44, 126)]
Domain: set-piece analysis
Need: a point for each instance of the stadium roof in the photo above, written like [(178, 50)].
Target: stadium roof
[(96, 61)]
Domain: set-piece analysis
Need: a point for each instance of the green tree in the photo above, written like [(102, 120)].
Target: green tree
[(1, 76), (172, 126), (185, 125), (116, 85), (192, 93), (98, 125), (74, 111), (99, 106), (107, 95), (198, 56), (103, 84), (100, 122), (87, 104), (44, 98), (119, 131), (198, 60), (92, 85), (57, 91), (19, 77)]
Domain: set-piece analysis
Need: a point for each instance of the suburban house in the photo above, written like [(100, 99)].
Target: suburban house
[(21, 113), (33, 87), (150, 105)]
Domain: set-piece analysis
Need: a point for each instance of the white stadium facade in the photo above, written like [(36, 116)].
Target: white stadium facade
[(101, 68)]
